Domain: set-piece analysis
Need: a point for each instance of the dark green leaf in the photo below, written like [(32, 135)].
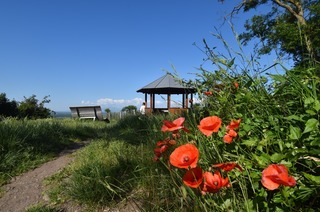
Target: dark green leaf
[(311, 125), (312, 178), (295, 133)]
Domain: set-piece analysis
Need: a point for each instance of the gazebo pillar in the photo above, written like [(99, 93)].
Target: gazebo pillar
[(183, 100), (146, 99), (168, 101), (151, 103), (186, 101)]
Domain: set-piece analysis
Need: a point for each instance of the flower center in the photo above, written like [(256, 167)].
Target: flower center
[(186, 159)]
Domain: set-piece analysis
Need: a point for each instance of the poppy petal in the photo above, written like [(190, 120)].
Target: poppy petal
[(185, 156), (179, 121), (193, 177), (227, 139)]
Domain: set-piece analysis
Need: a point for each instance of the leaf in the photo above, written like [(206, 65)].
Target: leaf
[(311, 125), (295, 133), (263, 160), (250, 142), (294, 117), (308, 101), (230, 63), (316, 105), (312, 178), (311, 112), (276, 157), (278, 78)]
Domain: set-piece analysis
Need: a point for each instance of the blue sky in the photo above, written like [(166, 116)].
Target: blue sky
[(100, 52)]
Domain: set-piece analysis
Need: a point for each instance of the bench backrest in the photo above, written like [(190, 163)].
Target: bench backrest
[(85, 112)]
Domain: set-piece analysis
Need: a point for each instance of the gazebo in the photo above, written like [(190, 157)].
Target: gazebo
[(168, 85)]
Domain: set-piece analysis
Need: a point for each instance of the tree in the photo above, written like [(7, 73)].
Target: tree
[(107, 110), (290, 26), (31, 108), (8, 108), (129, 108)]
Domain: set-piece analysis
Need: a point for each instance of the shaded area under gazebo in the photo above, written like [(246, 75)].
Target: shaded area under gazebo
[(168, 85)]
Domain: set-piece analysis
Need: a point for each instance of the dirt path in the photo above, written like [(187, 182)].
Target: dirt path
[(26, 190)]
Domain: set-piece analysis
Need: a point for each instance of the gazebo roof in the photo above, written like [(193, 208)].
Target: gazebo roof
[(166, 84)]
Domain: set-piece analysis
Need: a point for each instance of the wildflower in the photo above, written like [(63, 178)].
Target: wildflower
[(275, 175), (234, 124), (227, 166), (228, 137), (214, 182), (208, 93), (158, 151), (209, 125), (162, 147), (231, 133), (174, 125), (185, 156), (236, 85), (168, 141), (176, 134), (193, 177)]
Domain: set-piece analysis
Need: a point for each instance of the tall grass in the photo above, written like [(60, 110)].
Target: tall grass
[(279, 125), (24, 144)]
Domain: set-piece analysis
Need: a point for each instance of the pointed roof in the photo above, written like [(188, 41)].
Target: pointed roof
[(166, 84)]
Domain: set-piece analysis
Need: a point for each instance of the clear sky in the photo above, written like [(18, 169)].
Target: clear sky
[(100, 52)]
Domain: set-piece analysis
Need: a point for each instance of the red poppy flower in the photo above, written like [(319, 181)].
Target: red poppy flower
[(158, 151), (193, 177), (214, 182), (174, 125), (185, 156), (207, 93), (275, 175), (236, 85), (227, 166), (176, 135), (232, 133), (168, 141), (210, 125), (162, 146), (234, 124), (227, 138)]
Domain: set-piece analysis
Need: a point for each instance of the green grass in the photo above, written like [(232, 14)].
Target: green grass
[(279, 125), (279, 115), (25, 144)]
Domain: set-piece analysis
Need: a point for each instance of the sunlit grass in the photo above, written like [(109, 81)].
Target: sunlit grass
[(25, 144)]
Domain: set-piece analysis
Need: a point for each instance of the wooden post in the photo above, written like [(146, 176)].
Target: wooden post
[(183, 100), (168, 101), (186, 100), (151, 102), (146, 99)]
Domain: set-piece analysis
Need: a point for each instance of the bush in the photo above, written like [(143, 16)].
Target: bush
[(31, 108)]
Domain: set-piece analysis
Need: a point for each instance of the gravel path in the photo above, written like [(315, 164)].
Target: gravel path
[(26, 190)]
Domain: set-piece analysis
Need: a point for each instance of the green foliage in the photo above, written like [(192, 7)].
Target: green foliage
[(24, 144), (32, 108), (292, 27), (279, 125), (129, 108), (8, 108)]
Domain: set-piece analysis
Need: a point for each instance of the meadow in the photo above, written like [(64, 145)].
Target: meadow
[(251, 146)]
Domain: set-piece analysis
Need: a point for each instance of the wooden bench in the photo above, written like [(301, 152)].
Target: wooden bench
[(87, 112)]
